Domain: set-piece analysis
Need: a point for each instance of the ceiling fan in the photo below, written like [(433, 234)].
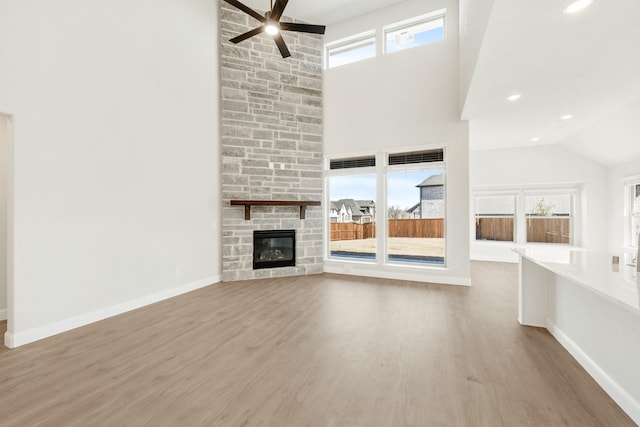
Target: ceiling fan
[(271, 25)]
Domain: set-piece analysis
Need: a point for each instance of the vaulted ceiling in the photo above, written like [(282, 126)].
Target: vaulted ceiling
[(325, 12), (586, 65)]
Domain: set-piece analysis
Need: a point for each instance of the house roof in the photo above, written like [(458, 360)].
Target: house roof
[(356, 206), (366, 203), (350, 204), (413, 208), (433, 181)]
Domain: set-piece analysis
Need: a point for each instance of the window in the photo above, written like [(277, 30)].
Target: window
[(351, 49), (412, 212), (414, 32), (633, 213), (402, 35), (415, 216), (416, 207), (495, 217), (549, 217), (526, 215), (352, 208)]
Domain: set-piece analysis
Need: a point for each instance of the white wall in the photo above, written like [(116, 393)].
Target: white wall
[(4, 159), (402, 101), (543, 166), (116, 191), (474, 19), (615, 202), (611, 140)]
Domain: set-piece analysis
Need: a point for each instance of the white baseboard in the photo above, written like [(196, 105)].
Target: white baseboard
[(3, 314), (610, 386), (492, 258), (18, 339), (354, 269)]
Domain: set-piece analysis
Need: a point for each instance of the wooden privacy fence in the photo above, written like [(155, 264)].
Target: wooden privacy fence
[(351, 231), (500, 229), (549, 230), (541, 230), (544, 230), (433, 228)]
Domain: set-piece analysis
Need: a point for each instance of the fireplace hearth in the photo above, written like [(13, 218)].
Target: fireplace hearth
[(274, 248)]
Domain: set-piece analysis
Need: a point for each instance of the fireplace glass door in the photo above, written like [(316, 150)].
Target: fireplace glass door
[(274, 248)]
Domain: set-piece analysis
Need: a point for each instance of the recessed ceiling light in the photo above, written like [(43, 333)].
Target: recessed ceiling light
[(576, 6), (567, 117), (514, 97), (536, 139)]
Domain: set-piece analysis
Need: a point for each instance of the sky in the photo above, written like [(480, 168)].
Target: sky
[(401, 187)]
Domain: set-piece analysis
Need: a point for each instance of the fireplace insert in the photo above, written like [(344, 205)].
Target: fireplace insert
[(274, 248)]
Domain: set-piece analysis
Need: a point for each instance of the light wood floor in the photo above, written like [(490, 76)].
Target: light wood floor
[(313, 351)]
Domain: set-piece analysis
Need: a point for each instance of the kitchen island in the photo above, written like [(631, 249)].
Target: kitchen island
[(592, 307)]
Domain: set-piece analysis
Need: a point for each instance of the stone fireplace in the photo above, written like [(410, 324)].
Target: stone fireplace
[(271, 145)]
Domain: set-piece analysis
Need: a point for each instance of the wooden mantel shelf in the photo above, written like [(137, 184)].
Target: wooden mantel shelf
[(248, 203)]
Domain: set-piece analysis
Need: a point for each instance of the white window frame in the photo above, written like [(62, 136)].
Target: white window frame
[(350, 42), (521, 194), (630, 241), (372, 170), (413, 22), (517, 202), (552, 192), (381, 171), (414, 167)]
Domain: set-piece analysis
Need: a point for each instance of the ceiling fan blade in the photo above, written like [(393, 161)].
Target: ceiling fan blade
[(247, 10), (248, 34), (302, 28), (278, 9), (284, 50)]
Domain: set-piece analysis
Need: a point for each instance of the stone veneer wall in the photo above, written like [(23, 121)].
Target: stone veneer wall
[(271, 124)]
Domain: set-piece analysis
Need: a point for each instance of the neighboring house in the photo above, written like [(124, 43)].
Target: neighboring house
[(350, 210), (368, 210), (432, 197), (333, 213), (340, 213)]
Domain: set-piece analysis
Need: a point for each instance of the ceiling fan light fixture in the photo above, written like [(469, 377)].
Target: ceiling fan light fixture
[(576, 6), (270, 23), (271, 28)]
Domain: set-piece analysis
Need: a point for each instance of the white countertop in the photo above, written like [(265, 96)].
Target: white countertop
[(592, 270)]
